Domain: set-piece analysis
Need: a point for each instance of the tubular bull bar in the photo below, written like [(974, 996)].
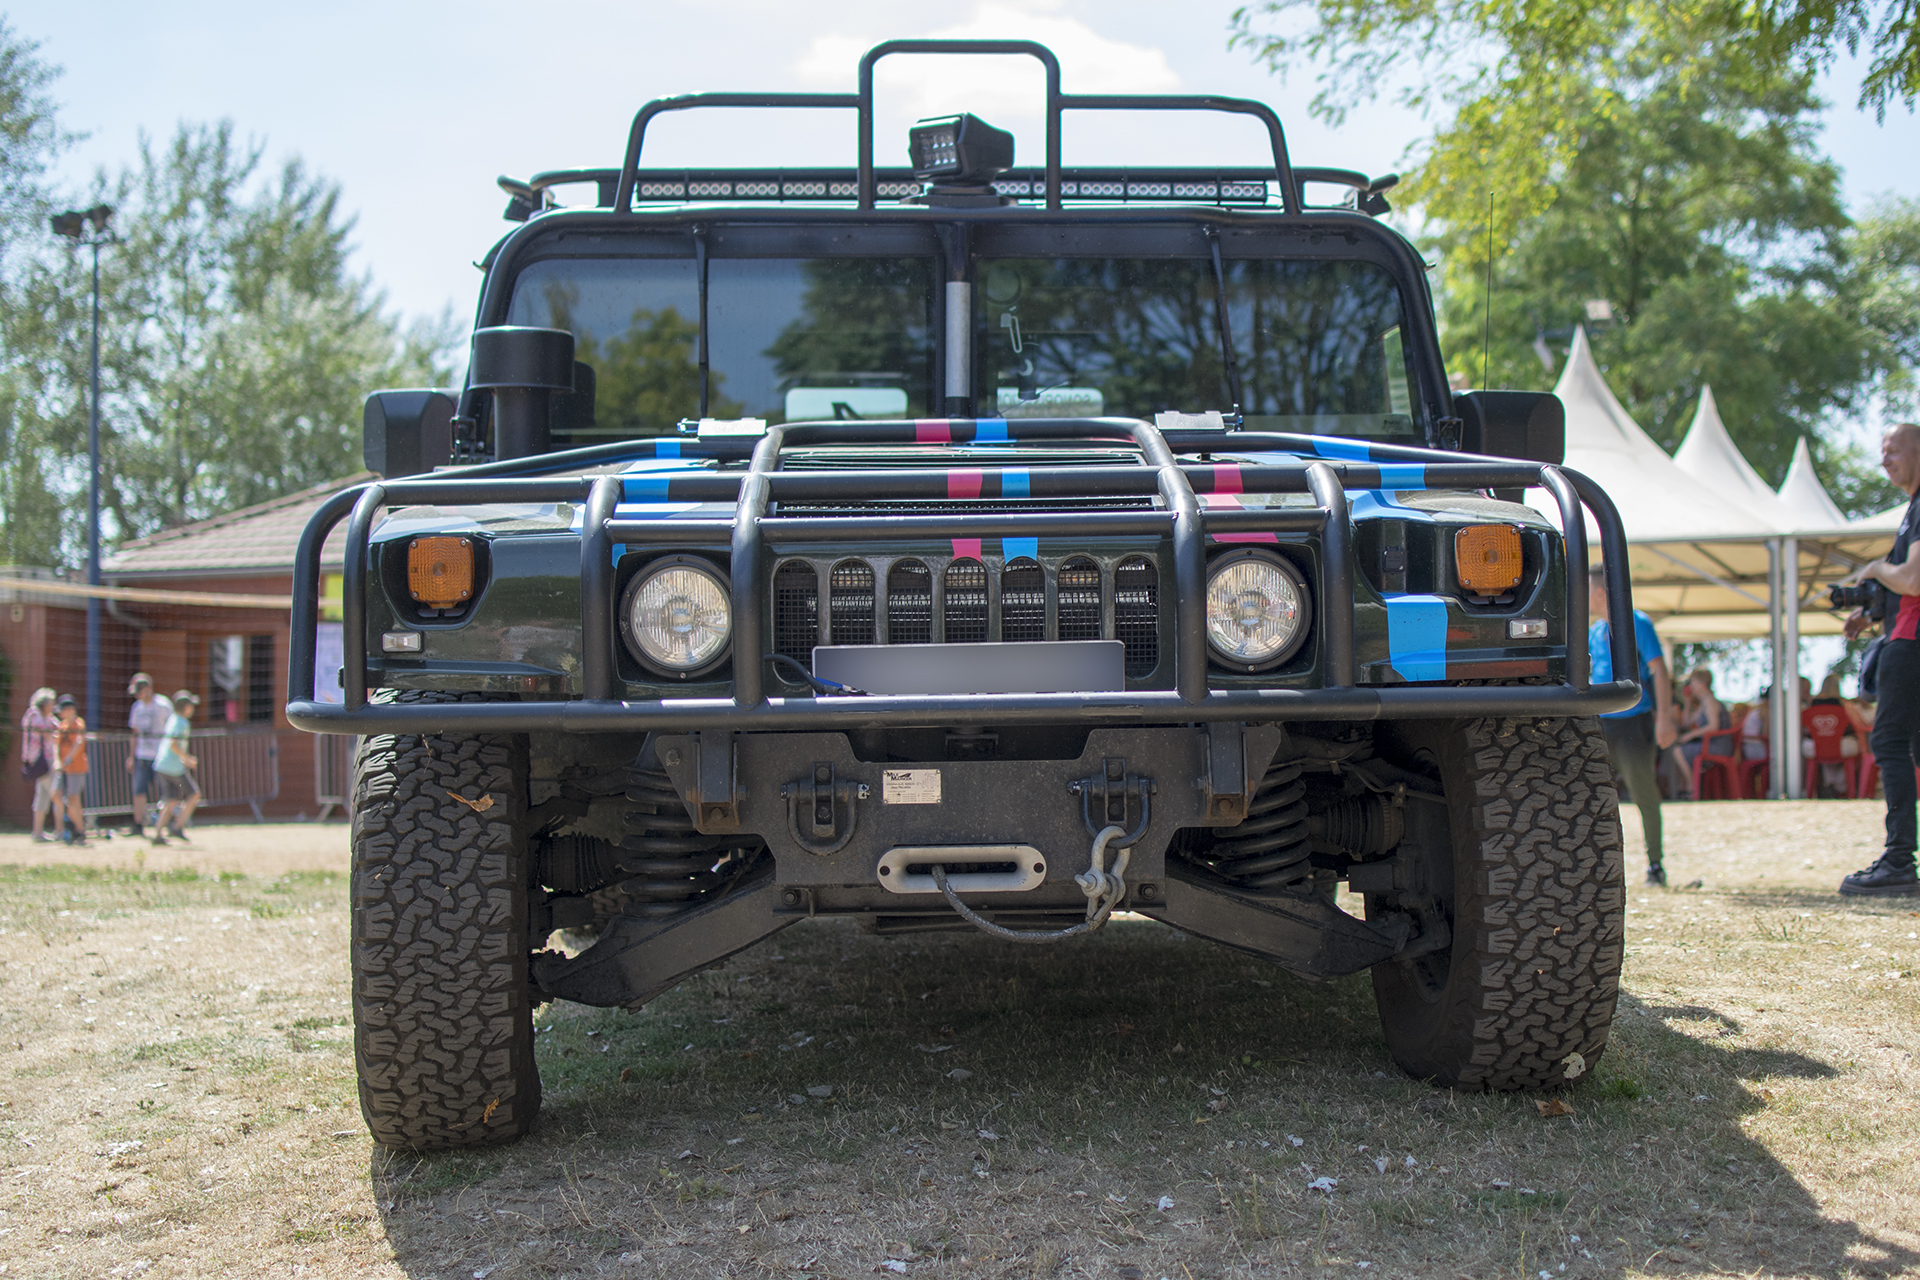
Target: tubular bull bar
[(1329, 468)]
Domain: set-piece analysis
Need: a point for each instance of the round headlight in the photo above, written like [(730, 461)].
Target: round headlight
[(1257, 609), (677, 616)]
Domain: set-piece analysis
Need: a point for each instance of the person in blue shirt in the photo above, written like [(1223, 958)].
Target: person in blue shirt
[(1636, 736)]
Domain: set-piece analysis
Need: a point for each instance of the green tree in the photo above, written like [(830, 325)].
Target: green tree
[(236, 344), (30, 140), (1700, 209)]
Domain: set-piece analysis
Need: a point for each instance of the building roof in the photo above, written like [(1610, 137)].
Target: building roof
[(248, 542)]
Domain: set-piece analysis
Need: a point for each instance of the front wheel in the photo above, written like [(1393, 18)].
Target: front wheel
[(442, 1009), (1524, 996)]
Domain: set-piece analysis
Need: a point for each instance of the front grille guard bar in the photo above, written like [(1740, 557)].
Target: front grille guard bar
[(749, 534)]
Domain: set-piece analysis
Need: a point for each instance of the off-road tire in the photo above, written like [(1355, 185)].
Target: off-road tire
[(442, 1008), (1538, 912)]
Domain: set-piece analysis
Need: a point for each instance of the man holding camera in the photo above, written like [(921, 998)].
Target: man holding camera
[(1896, 724)]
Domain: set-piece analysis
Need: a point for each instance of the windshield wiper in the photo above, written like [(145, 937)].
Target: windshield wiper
[(1226, 329)]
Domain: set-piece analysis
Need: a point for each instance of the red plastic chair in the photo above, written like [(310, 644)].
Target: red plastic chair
[(1753, 773), (1826, 727), (1716, 772)]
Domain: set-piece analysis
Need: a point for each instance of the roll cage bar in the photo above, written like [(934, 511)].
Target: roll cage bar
[(866, 180)]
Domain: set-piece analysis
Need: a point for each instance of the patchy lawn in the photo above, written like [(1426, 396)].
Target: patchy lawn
[(179, 1100)]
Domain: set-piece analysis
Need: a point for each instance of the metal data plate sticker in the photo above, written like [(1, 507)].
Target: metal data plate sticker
[(910, 786)]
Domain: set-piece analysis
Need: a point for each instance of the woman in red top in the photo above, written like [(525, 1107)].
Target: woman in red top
[(70, 763)]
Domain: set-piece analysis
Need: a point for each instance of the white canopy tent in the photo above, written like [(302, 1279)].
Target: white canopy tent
[(1802, 494), (1712, 548)]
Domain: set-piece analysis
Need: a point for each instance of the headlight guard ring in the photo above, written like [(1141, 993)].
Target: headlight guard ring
[(1293, 574), (646, 573)]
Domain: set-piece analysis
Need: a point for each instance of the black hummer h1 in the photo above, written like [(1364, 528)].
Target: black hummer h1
[(963, 546)]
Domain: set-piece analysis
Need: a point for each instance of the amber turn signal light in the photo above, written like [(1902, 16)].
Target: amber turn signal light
[(440, 571), (1486, 558)]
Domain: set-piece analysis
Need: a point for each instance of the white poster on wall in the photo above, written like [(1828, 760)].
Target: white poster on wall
[(328, 655)]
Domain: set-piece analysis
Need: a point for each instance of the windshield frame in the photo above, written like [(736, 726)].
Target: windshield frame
[(958, 238)]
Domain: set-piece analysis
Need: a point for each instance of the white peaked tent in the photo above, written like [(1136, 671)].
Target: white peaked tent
[(1710, 456), (1803, 494), (1714, 554), (1658, 501)]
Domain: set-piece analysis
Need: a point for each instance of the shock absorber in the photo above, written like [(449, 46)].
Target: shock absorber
[(1271, 848), (670, 865)]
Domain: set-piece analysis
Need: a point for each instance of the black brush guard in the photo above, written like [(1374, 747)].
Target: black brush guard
[(750, 533)]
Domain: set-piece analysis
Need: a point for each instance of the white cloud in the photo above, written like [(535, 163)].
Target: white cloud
[(1008, 91)]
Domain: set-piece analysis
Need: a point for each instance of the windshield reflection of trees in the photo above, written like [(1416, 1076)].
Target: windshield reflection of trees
[(1308, 335), (647, 377), (862, 322), (1144, 333)]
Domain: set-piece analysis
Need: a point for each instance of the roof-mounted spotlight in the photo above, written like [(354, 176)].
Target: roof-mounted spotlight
[(958, 157)]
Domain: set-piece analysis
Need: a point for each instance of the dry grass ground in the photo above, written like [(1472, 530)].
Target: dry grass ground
[(179, 1099)]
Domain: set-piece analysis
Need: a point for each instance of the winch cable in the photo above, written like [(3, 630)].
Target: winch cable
[(1104, 890)]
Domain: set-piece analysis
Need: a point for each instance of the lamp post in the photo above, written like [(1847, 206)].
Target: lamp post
[(88, 227)]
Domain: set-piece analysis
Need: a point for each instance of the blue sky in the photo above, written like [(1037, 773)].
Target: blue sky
[(415, 107)]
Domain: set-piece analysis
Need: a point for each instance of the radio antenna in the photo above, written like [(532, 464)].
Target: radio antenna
[(1486, 339)]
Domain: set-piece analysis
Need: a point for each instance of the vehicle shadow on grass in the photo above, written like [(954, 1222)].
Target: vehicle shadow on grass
[(829, 1100)]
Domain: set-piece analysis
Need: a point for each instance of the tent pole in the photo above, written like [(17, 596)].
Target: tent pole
[(1776, 752), (1790, 644)]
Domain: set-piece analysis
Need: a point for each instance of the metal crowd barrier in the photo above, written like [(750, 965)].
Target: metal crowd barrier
[(333, 773), (237, 766)]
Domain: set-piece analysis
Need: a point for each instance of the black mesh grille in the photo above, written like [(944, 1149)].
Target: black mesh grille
[(796, 611), (966, 602), (819, 602), (1136, 614), (850, 602), (909, 603), (1079, 600), (1023, 600)]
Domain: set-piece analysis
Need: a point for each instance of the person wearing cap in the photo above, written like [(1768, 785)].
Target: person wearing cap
[(178, 794), (148, 719), (70, 764), (37, 729)]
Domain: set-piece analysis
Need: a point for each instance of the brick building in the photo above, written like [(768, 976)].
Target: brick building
[(202, 607)]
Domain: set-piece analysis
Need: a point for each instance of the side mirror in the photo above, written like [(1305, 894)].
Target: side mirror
[(522, 367), (1529, 425), (406, 433)]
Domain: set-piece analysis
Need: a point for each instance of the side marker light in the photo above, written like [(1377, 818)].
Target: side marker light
[(440, 571), (1487, 559)]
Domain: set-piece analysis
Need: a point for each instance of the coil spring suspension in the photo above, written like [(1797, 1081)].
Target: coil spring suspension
[(1271, 847), (670, 864)]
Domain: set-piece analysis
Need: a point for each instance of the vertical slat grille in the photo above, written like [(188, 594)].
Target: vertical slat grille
[(966, 602), (850, 602), (1023, 600), (909, 603), (1079, 599), (1136, 614), (796, 611)]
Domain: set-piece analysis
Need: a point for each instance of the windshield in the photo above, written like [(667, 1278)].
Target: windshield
[(1317, 343), (788, 339)]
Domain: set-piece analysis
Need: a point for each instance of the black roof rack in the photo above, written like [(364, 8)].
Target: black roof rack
[(1049, 181), (1217, 186)]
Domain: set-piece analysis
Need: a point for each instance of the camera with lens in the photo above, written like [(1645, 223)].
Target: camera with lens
[(1869, 595)]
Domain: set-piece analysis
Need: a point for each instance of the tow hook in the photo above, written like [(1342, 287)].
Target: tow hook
[(821, 812), (1110, 797)]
